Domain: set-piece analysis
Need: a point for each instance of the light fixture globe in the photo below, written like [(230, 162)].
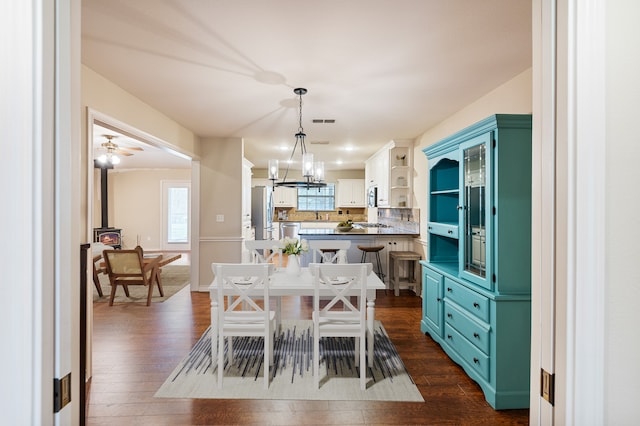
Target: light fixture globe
[(312, 171)]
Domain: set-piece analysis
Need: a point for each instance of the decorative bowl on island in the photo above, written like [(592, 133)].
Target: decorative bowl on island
[(345, 226)]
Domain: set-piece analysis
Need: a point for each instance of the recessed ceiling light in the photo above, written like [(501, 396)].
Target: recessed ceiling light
[(348, 148)]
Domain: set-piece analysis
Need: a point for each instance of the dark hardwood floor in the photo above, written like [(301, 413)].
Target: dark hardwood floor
[(136, 347)]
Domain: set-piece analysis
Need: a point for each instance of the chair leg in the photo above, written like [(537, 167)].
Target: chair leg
[(363, 365), (159, 282), (267, 345), (126, 290), (356, 351), (316, 358), (96, 282), (220, 359), (114, 286), (396, 275), (380, 273), (150, 294)]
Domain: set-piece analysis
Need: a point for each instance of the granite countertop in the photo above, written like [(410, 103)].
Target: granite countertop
[(356, 231)]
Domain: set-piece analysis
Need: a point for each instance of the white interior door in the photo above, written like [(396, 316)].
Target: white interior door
[(176, 215)]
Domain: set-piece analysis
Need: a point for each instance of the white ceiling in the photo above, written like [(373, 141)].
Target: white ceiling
[(383, 69)]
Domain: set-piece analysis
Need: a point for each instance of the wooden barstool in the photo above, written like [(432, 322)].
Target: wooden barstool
[(372, 249), (413, 270)]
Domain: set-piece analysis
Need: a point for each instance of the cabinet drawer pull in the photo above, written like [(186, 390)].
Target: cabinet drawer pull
[(476, 305), (476, 335), (449, 315), (476, 360), (449, 289), (449, 337), (449, 231), (439, 300)]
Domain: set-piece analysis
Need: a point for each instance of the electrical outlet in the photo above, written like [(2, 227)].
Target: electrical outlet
[(220, 218)]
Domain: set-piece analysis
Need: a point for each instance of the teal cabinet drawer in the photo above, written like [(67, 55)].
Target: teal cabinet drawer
[(473, 302), (475, 332), (469, 353), (443, 229)]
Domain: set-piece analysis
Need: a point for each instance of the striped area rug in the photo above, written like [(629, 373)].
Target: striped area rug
[(388, 380)]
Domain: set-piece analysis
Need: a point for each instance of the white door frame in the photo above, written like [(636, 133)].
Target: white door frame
[(94, 116), (164, 187), (41, 180), (568, 304)]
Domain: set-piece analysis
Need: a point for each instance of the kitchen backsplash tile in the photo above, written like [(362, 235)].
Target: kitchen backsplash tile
[(404, 219), (338, 215)]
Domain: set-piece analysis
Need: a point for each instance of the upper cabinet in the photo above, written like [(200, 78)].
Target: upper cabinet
[(246, 190), (351, 193), (400, 176), (391, 171), (285, 197)]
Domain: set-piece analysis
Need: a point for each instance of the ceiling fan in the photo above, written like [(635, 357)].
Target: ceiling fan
[(112, 149)]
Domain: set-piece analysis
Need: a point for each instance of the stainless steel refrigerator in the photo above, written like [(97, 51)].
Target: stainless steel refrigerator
[(262, 212)]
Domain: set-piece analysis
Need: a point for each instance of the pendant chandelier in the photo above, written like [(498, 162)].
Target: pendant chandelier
[(312, 172)]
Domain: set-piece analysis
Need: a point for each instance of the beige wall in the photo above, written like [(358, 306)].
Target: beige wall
[(513, 97), (220, 194), (135, 203), (103, 96)]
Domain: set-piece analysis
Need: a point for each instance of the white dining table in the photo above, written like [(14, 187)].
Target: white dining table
[(283, 284)]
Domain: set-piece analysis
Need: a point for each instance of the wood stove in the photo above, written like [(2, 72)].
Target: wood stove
[(106, 234)]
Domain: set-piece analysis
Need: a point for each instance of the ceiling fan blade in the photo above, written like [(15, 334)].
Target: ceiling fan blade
[(131, 148), (121, 152)]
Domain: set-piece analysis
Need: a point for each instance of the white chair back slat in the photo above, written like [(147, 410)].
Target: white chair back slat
[(340, 256), (264, 251)]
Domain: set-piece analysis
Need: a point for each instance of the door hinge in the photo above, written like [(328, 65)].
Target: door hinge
[(493, 277), (494, 210), (547, 385), (61, 392), (494, 143)]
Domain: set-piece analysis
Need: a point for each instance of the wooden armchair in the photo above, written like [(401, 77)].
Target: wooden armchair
[(97, 270), (128, 267)]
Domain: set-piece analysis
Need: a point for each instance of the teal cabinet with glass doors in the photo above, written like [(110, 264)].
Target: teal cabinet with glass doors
[(477, 275)]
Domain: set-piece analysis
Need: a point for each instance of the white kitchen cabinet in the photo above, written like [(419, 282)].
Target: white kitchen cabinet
[(382, 178), (369, 178), (391, 171), (285, 197), (400, 176), (351, 193), (248, 232), (246, 190)]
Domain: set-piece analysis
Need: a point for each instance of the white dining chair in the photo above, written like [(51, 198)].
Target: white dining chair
[(262, 251), (340, 317), (244, 285), (329, 251)]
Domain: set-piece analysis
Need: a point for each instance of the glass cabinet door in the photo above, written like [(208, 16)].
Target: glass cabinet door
[(475, 209)]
